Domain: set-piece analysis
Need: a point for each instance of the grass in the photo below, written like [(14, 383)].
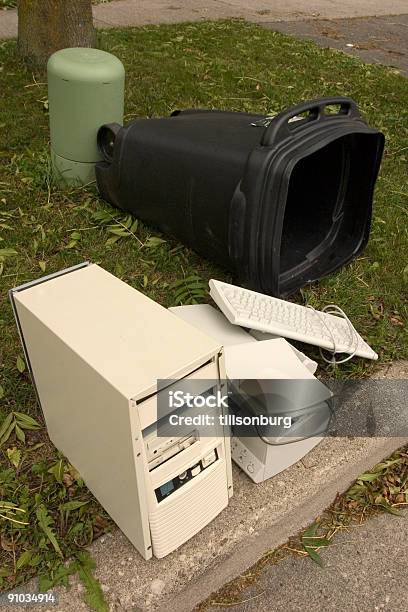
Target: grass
[(383, 489), (231, 65), (8, 4)]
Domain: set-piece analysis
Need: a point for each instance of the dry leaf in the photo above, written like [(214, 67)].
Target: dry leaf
[(6, 544), (67, 479), (396, 321)]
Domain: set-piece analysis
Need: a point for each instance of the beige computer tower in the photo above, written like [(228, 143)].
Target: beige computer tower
[(96, 348)]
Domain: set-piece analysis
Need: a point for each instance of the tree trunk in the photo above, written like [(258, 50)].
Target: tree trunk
[(44, 26)]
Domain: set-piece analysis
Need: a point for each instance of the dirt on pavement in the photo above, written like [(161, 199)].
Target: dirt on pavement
[(376, 40)]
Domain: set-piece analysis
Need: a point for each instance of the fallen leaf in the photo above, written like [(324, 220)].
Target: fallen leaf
[(20, 364), (6, 544), (396, 321), (67, 480), (14, 456)]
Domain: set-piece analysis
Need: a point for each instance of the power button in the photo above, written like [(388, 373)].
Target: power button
[(209, 459)]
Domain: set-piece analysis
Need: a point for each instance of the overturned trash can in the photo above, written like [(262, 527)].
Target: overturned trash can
[(279, 202)]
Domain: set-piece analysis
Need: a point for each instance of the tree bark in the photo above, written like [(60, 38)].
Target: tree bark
[(45, 26)]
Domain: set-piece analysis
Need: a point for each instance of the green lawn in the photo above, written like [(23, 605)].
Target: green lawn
[(231, 65)]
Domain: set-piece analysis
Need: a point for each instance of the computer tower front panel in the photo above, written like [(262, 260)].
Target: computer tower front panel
[(187, 497), (188, 478)]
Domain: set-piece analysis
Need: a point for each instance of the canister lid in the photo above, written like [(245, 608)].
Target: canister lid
[(85, 64)]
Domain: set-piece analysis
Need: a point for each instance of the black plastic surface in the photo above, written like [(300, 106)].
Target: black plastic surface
[(279, 205)]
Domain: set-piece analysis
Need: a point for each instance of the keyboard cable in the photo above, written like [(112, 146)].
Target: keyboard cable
[(333, 309)]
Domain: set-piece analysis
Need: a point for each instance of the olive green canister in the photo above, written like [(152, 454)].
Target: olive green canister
[(85, 91)]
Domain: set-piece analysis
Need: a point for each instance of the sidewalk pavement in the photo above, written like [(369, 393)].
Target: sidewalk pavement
[(141, 12), (365, 569), (375, 40)]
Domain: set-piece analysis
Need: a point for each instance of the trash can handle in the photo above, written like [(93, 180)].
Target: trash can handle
[(280, 128)]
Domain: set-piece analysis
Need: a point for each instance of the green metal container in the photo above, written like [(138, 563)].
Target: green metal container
[(85, 90)]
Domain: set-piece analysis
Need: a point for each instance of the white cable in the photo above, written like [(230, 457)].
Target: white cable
[(333, 309)]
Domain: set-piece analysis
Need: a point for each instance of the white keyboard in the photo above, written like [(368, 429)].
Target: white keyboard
[(281, 318)]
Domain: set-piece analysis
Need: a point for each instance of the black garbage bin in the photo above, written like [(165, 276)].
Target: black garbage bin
[(279, 202)]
